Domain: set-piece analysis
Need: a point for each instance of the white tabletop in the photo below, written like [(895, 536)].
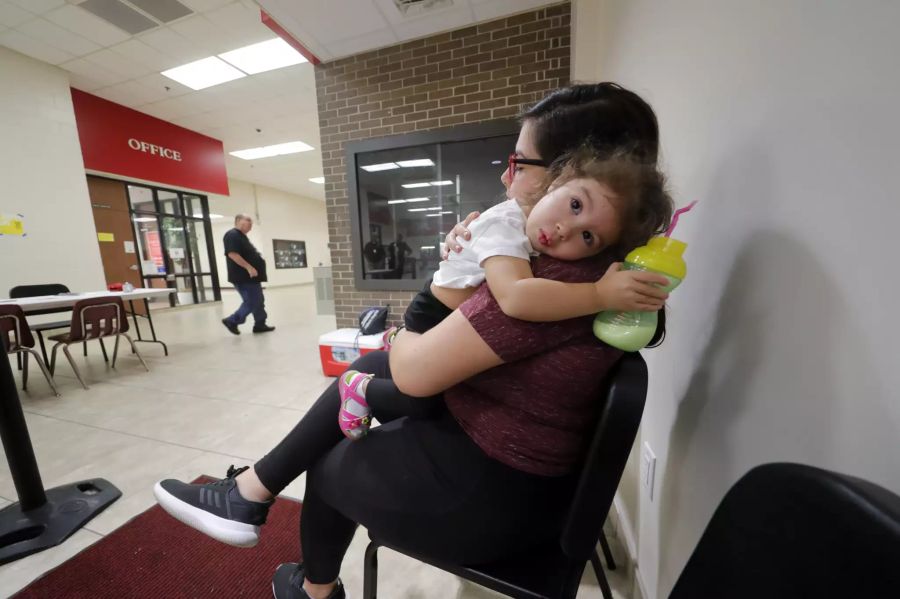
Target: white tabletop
[(49, 302)]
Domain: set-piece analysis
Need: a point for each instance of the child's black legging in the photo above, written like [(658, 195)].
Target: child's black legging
[(416, 481)]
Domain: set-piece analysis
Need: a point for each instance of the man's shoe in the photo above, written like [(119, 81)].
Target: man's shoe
[(263, 329), (216, 509), (231, 327), (288, 584)]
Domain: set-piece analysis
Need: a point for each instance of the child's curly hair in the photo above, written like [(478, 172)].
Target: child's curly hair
[(642, 201)]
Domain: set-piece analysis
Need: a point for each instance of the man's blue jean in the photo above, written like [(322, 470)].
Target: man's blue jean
[(253, 302)]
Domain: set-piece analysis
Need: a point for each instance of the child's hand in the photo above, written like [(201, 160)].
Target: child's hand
[(627, 290)]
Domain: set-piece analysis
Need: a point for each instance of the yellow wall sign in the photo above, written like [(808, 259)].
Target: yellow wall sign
[(11, 226), (106, 237)]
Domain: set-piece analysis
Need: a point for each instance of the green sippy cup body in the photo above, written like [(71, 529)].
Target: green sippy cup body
[(631, 331)]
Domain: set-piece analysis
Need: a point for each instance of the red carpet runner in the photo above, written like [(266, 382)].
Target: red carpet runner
[(154, 555)]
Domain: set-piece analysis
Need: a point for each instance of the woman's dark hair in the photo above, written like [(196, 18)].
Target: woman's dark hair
[(605, 116)]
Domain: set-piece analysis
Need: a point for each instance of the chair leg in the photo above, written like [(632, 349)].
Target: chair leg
[(136, 352), (115, 351), (601, 577), (103, 349), (47, 375), (74, 367), (24, 358), (43, 349), (607, 554), (53, 359), (19, 361), (84, 347), (370, 576)]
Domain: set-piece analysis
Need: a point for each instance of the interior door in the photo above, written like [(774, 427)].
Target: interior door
[(114, 233)]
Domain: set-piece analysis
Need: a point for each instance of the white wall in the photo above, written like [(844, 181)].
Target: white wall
[(276, 215), (42, 176), (782, 119)]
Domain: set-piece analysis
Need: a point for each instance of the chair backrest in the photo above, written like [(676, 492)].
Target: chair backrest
[(37, 290), (624, 397), (98, 317), (14, 329), (789, 530)]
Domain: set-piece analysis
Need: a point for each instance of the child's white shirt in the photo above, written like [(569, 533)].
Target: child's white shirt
[(499, 231)]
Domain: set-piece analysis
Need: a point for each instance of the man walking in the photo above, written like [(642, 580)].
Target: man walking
[(246, 271)]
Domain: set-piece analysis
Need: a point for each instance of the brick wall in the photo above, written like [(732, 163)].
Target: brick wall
[(480, 73)]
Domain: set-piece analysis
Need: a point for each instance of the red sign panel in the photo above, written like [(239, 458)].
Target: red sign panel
[(121, 141)]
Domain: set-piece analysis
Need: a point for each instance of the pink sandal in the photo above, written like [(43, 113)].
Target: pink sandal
[(354, 416), (388, 338)]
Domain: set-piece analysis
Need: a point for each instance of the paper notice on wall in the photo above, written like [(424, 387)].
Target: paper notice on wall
[(105, 237), (176, 253), (129, 247), (12, 225)]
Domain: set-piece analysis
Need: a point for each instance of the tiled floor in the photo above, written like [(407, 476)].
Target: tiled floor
[(215, 400)]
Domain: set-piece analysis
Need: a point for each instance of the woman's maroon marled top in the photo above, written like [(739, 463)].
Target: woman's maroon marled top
[(534, 413)]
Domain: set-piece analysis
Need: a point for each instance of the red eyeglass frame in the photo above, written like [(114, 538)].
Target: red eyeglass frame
[(514, 160)]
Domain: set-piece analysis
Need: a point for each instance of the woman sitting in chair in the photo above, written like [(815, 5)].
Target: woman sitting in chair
[(490, 470)]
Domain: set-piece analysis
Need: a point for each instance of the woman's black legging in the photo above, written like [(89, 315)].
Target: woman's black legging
[(418, 481)]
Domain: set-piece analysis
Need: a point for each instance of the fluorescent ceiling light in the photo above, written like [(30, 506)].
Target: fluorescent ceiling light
[(145, 219), (318, 180), (384, 166), (439, 183), (291, 147), (396, 201), (419, 162), (211, 215), (408, 200), (204, 73), (441, 213), (427, 247), (417, 209), (264, 56), (415, 185), (496, 162)]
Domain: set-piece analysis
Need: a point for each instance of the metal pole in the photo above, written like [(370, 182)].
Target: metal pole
[(17, 444)]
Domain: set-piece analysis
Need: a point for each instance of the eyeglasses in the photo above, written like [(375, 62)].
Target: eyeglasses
[(514, 160)]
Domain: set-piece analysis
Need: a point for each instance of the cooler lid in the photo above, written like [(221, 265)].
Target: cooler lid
[(348, 338)]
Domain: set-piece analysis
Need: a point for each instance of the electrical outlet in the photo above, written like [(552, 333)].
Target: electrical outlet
[(648, 470)]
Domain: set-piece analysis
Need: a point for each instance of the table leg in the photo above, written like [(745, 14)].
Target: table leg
[(43, 349), (39, 519), (149, 318)]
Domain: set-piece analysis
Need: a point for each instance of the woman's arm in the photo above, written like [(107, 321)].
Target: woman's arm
[(525, 297), (451, 352)]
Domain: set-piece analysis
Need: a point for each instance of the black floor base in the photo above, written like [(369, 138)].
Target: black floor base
[(68, 508)]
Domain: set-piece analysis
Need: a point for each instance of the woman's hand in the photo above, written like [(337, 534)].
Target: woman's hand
[(626, 290), (459, 230)]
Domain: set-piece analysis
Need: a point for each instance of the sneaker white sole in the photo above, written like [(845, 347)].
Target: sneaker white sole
[(230, 532)]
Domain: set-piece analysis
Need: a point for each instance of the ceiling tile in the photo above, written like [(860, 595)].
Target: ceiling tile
[(87, 25), (243, 25), (143, 93), (87, 84), (117, 64), (431, 23), (322, 16), (120, 94), (168, 42), (165, 11), (204, 5), (58, 37), (172, 108), (148, 56), (485, 11), (157, 81), (203, 34), (119, 14), (31, 47), (38, 6), (11, 15), (94, 72), (362, 43)]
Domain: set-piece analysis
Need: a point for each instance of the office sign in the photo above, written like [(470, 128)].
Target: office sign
[(120, 141)]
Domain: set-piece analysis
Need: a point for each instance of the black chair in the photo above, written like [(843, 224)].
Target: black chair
[(554, 571), (21, 291), (793, 531), (15, 338)]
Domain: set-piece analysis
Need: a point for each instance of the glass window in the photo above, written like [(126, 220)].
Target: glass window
[(169, 203), (149, 246), (141, 198), (205, 291), (410, 197), (176, 247), (196, 233), (193, 205), (184, 294)]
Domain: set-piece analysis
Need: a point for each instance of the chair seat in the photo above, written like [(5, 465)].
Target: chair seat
[(537, 573), (46, 326), (63, 337)]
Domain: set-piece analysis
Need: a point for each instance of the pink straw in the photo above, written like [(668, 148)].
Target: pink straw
[(675, 216)]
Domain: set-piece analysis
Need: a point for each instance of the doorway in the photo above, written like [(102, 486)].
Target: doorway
[(164, 239)]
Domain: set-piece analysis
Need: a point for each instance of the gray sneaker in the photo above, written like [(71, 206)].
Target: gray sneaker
[(216, 509), (288, 584)]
